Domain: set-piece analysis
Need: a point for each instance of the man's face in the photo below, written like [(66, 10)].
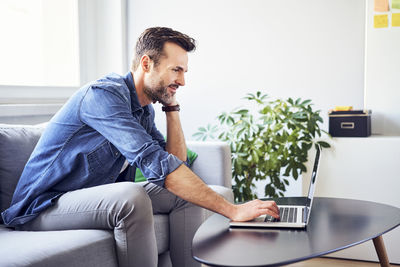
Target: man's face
[(164, 79)]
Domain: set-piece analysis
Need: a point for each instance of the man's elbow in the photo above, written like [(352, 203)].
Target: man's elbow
[(171, 179), (178, 178)]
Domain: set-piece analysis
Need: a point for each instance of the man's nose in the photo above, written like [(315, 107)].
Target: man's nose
[(181, 79)]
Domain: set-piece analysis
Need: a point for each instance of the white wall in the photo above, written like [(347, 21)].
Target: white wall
[(309, 49), (313, 49), (382, 74)]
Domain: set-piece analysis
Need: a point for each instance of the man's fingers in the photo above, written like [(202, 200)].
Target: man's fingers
[(268, 205), (269, 212), (270, 208)]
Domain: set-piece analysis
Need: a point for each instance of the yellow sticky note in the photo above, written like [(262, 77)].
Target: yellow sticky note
[(396, 20), (381, 5), (381, 21), (396, 4)]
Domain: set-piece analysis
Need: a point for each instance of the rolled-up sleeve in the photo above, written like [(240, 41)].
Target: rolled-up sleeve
[(113, 118), (165, 167)]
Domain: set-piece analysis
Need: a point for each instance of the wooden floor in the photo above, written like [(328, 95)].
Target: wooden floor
[(331, 262)]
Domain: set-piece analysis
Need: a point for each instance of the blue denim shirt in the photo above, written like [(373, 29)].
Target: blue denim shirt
[(86, 143)]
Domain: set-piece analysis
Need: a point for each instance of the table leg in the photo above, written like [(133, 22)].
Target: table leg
[(381, 251)]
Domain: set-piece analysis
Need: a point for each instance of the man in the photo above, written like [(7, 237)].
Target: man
[(77, 176)]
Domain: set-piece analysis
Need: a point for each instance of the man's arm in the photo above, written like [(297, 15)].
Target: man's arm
[(188, 186), (176, 144)]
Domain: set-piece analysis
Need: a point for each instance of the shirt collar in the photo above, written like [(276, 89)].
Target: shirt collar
[(135, 104)]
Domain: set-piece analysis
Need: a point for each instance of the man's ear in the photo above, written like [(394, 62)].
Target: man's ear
[(145, 63)]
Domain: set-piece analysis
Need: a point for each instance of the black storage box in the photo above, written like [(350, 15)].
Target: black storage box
[(353, 123)]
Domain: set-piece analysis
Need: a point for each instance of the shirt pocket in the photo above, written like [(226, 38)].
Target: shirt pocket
[(102, 158)]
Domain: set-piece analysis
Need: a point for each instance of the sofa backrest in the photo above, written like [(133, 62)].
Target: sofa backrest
[(213, 164), (16, 145)]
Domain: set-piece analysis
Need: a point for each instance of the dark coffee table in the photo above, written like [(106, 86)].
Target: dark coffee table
[(335, 224)]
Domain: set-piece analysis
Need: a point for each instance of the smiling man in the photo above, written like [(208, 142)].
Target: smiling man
[(79, 175)]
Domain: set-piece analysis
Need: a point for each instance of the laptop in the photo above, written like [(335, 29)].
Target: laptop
[(291, 216)]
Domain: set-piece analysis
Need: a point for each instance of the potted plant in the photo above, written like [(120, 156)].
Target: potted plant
[(269, 144)]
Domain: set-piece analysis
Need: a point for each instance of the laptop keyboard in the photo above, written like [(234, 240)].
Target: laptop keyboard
[(287, 214)]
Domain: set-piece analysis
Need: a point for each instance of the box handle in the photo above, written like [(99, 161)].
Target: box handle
[(347, 125)]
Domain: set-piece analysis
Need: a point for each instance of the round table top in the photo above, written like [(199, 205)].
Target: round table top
[(334, 224)]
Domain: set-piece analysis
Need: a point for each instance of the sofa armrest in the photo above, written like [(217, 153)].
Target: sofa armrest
[(213, 165)]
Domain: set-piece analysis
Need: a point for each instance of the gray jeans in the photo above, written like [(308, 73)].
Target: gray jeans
[(126, 208)]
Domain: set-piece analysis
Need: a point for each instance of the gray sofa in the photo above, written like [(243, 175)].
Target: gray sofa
[(85, 247)]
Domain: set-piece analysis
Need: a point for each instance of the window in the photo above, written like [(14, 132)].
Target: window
[(40, 44), (50, 48)]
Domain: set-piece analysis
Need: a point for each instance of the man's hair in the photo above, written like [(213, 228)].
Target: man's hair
[(152, 41)]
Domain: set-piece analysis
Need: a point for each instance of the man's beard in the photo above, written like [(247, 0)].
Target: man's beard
[(159, 94)]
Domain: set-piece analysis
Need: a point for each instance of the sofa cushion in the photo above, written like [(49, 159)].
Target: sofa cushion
[(57, 248), (16, 146)]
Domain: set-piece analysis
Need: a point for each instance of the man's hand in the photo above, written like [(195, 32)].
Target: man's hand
[(255, 208), (172, 101)]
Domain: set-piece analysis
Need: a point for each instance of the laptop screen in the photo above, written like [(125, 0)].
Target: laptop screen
[(311, 188)]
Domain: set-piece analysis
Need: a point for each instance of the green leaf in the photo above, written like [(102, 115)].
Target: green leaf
[(255, 156), (222, 136), (198, 135), (269, 191), (302, 167), (240, 132), (242, 112), (305, 102), (250, 96), (295, 173), (324, 144), (230, 120)]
